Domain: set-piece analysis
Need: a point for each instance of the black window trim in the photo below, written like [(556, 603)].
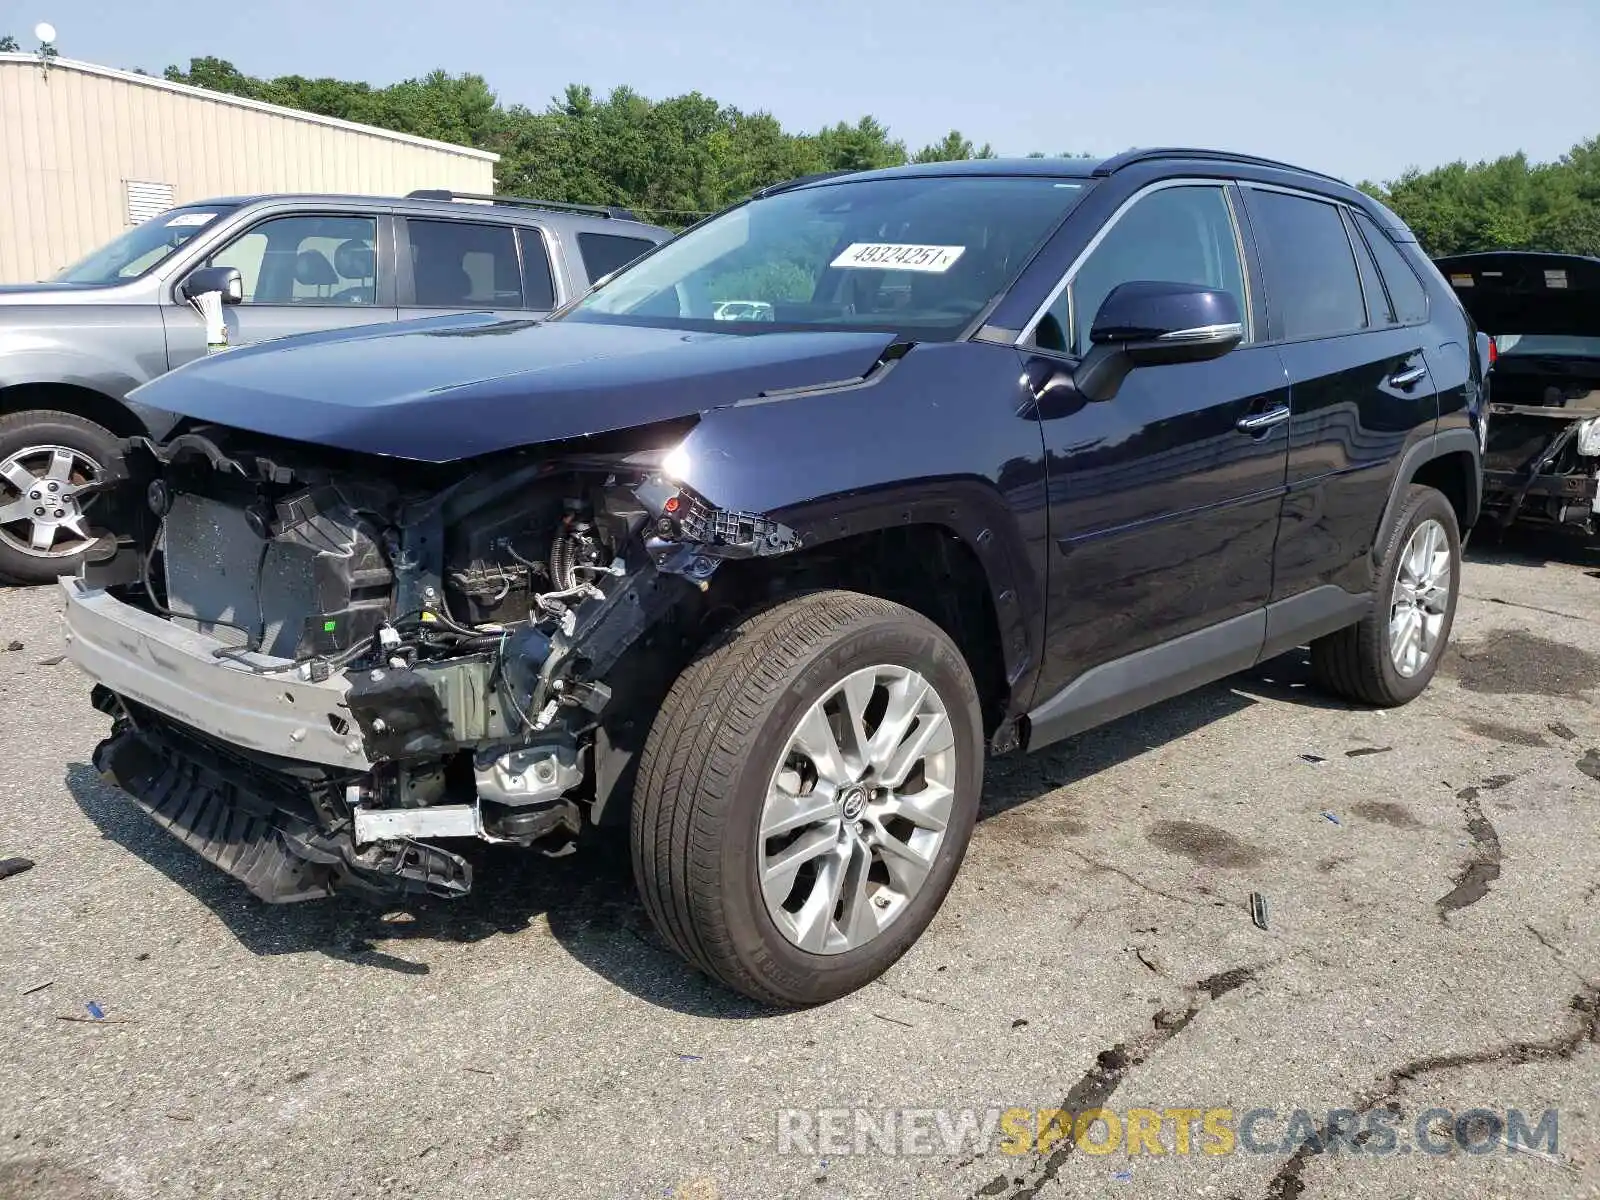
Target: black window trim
[(1225, 185), (1336, 204), (384, 284), (1359, 247), (1427, 298)]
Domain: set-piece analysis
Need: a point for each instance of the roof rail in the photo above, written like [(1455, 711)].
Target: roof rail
[(1128, 157), (772, 189), (593, 210)]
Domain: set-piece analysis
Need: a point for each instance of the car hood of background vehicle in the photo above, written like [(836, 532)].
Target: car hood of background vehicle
[(1524, 291), (437, 390)]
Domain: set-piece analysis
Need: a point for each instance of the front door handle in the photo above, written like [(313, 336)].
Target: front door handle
[(1257, 422), (1408, 378)]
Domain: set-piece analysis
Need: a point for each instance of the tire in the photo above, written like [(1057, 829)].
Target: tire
[(713, 756), (26, 442), (1357, 662)]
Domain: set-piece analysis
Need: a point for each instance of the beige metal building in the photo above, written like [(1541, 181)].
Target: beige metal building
[(86, 151)]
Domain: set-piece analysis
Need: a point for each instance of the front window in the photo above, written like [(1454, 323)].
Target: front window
[(918, 256), (143, 247)]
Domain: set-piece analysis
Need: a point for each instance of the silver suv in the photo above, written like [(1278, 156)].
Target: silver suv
[(71, 349)]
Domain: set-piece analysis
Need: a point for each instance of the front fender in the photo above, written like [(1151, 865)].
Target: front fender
[(943, 436)]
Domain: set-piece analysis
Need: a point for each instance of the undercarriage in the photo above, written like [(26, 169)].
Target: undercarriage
[(323, 671)]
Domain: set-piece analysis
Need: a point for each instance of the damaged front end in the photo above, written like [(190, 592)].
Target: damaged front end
[(323, 667)]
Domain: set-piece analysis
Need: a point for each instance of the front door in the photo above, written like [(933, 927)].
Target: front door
[(302, 273), (1164, 500)]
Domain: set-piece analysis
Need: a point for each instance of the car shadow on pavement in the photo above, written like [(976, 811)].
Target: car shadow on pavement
[(1531, 548), (588, 899)]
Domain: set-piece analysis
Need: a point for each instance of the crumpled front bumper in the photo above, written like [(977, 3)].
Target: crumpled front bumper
[(246, 700)]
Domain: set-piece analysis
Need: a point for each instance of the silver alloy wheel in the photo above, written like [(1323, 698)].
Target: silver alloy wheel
[(856, 809), (1421, 598), (39, 489)]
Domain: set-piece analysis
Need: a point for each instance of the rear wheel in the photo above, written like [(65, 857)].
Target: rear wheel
[(1390, 656), (47, 461), (806, 796)]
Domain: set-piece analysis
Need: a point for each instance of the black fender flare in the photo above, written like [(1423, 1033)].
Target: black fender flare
[(1447, 441), (974, 512)]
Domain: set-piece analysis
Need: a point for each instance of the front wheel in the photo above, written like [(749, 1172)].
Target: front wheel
[(48, 460), (806, 795)]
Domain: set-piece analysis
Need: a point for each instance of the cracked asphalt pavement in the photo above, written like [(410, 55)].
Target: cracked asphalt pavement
[(1430, 880)]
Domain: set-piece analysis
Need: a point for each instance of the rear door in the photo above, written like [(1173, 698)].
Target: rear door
[(302, 272), (452, 264), (1359, 387)]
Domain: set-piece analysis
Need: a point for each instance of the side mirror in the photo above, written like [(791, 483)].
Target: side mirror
[(226, 280), (1147, 324)]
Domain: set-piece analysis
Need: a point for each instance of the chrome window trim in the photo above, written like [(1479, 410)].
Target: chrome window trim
[(1031, 326)]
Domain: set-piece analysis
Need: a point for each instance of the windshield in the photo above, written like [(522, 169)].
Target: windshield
[(1546, 345), (917, 256), (143, 246)]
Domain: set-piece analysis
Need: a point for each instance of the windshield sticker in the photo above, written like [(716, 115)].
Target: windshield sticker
[(898, 256), (183, 219), (1555, 279), (1461, 280)]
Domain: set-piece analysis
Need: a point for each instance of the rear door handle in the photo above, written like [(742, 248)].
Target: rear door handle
[(1408, 377), (1257, 422)]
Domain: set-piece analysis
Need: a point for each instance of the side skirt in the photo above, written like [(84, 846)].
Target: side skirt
[(1135, 681)]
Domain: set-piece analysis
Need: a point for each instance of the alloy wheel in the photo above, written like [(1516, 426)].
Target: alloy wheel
[(41, 503), (857, 809), (1421, 598)]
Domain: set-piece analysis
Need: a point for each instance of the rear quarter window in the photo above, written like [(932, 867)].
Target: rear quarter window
[(603, 253), (1410, 298)]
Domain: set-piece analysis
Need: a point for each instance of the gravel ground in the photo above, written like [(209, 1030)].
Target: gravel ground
[(1433, 942)]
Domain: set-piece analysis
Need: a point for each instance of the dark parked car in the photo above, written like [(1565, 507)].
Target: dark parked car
[(1542, 460), (763, 545), (73, 348)]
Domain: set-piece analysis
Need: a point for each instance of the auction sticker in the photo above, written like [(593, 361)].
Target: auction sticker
[(194, 218), (898, 256)]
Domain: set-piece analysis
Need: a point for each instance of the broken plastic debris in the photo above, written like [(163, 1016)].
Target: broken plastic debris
[(689, 1058), (1122, 1176), (1333, 818), (1312, 758), (14, 866), (1019, 1022), (13, 645), (1258, 910), (94, 1010)]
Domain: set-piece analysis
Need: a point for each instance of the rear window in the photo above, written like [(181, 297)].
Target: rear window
[(1312, 284), (603, 253), (1405, 289)]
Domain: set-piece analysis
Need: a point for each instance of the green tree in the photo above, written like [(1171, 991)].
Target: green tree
[(8, 44)]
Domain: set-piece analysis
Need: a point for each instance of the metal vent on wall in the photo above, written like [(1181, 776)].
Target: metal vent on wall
[(146, 200)]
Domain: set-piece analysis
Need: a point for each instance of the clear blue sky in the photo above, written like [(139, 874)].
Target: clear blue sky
[(1361, 89)]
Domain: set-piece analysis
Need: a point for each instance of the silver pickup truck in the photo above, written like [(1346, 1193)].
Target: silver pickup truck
[(72, 348)]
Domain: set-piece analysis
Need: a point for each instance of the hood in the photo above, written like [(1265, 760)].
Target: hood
[(442, 389), (22, 293), (1518, 291)]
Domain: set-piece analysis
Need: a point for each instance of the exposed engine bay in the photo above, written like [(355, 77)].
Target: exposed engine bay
[(321, 664)]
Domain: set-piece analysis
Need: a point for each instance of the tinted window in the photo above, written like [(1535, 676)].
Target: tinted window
[(1405, 289), (305, 260), (604, 253), (1174, 235), (1379, 311), (536, 277), (917, 256), (1312, 284), (457, 264)]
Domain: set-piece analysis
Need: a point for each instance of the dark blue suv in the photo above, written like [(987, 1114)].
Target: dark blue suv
[(760, 547)]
